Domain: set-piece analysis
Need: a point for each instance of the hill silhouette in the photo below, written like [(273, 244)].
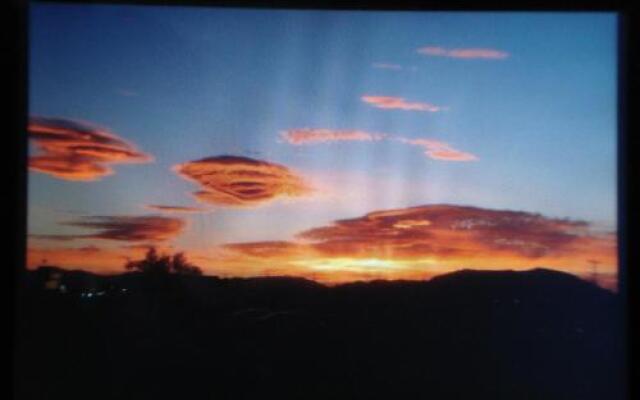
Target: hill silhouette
[(537, 334)]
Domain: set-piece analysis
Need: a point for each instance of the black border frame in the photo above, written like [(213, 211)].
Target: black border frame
[(628, 83)]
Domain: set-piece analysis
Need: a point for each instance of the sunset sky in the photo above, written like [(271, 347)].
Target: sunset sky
[(336, 146)]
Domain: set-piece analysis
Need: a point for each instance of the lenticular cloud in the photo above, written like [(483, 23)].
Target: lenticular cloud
[(78, 151), (241, 181)]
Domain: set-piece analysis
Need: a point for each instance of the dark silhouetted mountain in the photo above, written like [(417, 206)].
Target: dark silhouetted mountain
[(537, 334)]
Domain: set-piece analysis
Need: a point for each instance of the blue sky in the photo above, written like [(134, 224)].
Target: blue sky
[(187, 83)]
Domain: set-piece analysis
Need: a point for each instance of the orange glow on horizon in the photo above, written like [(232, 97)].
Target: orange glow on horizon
[(311, 265), (406, 244)]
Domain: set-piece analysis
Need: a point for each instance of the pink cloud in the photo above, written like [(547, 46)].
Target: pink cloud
[(488, 54), (390, 102), (434, 149), (313, 136), (438, 150)]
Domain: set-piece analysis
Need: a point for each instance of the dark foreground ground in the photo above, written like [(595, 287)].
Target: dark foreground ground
[(468, 335)]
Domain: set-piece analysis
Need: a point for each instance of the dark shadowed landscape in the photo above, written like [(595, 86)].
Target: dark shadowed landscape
[(537, 334)]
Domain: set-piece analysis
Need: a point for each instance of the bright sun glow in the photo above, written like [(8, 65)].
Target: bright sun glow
[(359, 264)]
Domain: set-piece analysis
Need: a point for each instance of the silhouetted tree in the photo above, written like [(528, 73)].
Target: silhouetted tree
[(155, 264), (180, 265)]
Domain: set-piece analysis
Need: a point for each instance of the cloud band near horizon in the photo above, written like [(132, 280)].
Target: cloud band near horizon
[(403, 243), (150, 228), (428, 236)]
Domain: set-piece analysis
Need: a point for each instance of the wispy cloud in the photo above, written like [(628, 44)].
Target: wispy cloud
[(163, 248), (241, 181), (469, 53), (399, 103), (174, 209), (131, 228), (91, 249), (381, 65), (314, 136), (439, 150), (127, 93), (123, 228), (269, 248), (394, 67), (78, 151), (52, 237), (434, 149)]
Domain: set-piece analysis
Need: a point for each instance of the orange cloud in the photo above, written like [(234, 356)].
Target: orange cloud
[(164, 248), (458, 231), (124, 228), (488, 54), (269, 249), (174, 209), (78, 151), (241, 181), (439, 150), (389, 102), (420, 242), (313, 136)]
